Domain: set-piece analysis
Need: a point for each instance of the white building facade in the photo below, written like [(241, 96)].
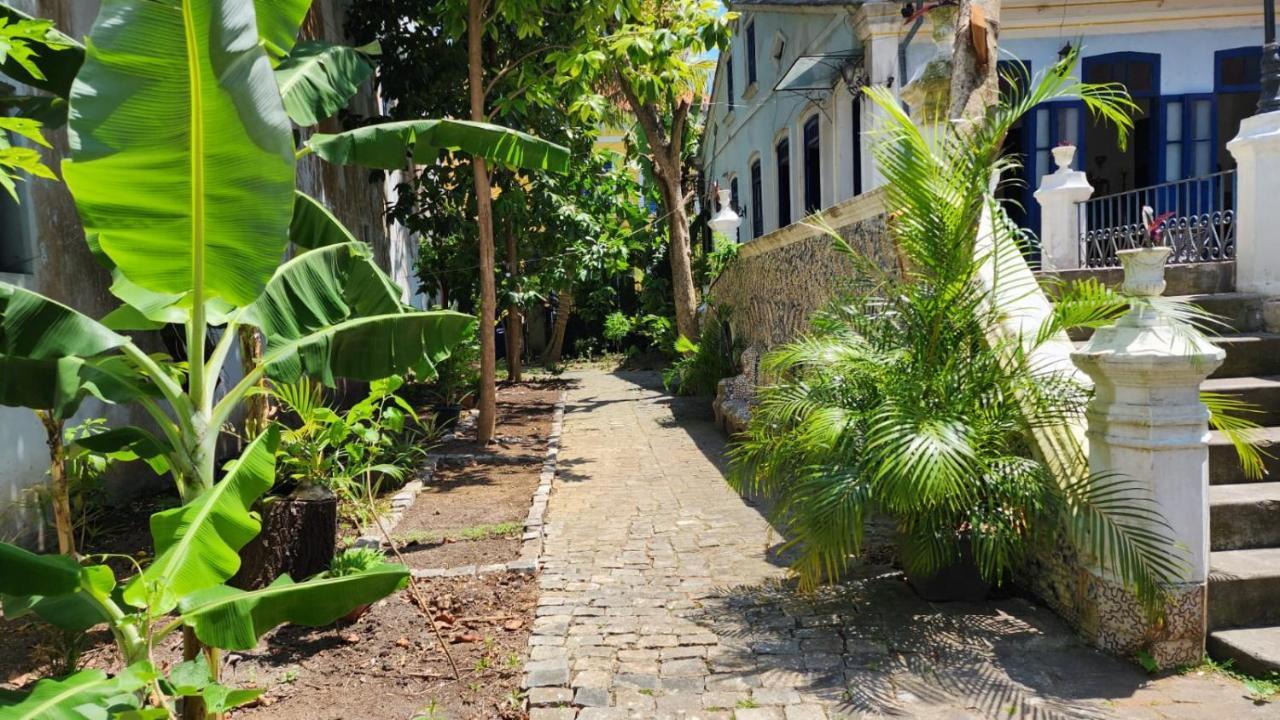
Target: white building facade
[(789, 133)]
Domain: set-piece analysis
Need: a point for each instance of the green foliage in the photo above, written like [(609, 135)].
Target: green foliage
[(707, 266), (355, 560), (701, 366), (457, 377), (616, 328), (902, 400), (196, 547), (318, 79)]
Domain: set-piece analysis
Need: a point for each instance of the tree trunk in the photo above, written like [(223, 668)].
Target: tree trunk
[(488, 400), (299, 537), (555, 348), (975, 82), (256, 410), (686, 294), (515, 316), (59, 489)]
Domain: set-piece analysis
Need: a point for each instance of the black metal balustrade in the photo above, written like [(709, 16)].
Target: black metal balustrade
[(1199, 221)]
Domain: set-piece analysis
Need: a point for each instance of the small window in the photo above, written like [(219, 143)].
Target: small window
[(783, 156), (730, 96), (812, 166), (779, 47), (735, 204), (757, 200), (751, 54), (855, 120)]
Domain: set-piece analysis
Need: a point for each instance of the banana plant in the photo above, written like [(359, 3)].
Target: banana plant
[(183, 588)]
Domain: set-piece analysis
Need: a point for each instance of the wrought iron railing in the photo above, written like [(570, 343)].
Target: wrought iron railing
[(1199, 226)]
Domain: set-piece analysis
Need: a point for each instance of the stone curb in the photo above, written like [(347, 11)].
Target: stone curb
[(531, 541)]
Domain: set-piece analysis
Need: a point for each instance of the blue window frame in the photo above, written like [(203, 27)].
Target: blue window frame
[(757, 200), (735, 204), (856, 123), (812, 156), (751, 53), (1190, 133), (1238, 70)]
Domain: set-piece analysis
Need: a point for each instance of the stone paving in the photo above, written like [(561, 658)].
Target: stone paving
[(662, 597)]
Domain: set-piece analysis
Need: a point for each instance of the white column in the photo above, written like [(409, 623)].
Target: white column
[(1257, 153), (1059, 194), (1146, 422)]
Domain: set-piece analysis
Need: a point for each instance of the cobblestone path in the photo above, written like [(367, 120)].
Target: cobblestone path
[(660, 599)]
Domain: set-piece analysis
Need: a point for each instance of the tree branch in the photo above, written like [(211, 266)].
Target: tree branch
[(509, 67)]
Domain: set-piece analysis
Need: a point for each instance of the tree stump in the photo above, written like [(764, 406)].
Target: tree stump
[(299, 536)]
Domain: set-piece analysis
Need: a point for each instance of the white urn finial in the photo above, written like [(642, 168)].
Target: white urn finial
[(1144, 270), (1064, 155)]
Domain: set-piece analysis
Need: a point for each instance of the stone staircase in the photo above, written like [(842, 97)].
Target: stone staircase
[(1244, 517)]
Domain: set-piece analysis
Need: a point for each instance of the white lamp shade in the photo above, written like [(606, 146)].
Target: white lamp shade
[(726, 221)]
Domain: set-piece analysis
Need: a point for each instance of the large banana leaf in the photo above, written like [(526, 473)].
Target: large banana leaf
[(279, 22), (48, 355), (231, 619), (318, 78), (325, 309), (314, 226), (24, 573), (129, 443), (390, 145), (55, 69), (367, 348), (76, 611), (86, 695), (322, 287), (198, 544), (182, 154)]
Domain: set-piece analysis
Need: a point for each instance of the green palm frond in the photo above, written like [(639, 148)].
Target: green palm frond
[(1230, 415), (1115, 520)]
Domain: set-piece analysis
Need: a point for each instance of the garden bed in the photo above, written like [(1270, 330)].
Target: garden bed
[(470, 512)]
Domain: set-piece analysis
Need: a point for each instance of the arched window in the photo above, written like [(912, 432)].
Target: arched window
[(782, 155), (812, 165), (757, 200)]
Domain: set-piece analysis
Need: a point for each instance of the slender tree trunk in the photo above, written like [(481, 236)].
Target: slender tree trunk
[(256, 409), (975, 82), (555, 348), (60, 490), (515, 316), (685, 293), (484, 218)]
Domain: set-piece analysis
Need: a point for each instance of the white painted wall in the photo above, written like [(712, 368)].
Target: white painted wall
[(758, 117)]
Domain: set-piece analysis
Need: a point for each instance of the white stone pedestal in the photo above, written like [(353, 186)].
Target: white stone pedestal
[(1058, 195), (1257, 153), (1146, 422)]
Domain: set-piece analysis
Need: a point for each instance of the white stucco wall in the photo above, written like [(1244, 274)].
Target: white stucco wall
[(1185, 41)]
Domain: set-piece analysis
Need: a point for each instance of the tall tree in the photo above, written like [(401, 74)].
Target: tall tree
[(649, 59)]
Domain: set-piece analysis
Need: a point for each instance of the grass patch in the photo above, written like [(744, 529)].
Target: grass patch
[(487, 531), (1261, 689)]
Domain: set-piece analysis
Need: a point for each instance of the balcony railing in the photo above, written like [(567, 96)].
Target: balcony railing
[(1200, 226)]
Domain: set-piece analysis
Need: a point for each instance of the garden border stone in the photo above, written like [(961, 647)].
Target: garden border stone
[(531, 541), (370, 535)]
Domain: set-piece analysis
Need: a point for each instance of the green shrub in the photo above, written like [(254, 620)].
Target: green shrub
[(702, 365), (353, 561), (616, 328)]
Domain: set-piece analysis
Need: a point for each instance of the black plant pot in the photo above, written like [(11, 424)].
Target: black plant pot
[(959, 582), (446, 416)]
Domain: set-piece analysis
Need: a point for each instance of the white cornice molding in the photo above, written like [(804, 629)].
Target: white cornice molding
[(863, 207)]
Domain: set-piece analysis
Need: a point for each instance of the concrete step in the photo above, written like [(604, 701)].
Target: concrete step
[(1244, 586), (1262, 391), (1195, 279), (1254, 650), (1244, 516), (1233, 313), (1224, 463), (1249, 354)]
